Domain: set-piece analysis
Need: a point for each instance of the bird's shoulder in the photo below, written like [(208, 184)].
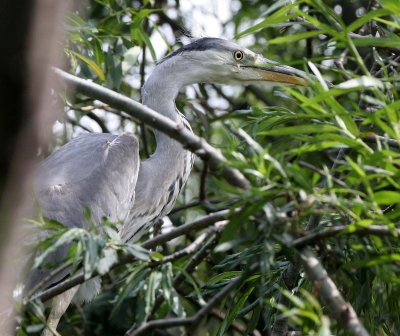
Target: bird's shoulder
[(98, 171), (85, 155)]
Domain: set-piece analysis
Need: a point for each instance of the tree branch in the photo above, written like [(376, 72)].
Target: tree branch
[(341, 310), (198, 224), (291, 274), (79, 277), (154, 119), (191, 265)]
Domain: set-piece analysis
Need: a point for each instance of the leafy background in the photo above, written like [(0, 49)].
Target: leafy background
[(326, 156)]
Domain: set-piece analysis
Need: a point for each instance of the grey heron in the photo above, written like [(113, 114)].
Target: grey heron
[(103, 171)]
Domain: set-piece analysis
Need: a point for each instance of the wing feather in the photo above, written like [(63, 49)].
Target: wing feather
[(98, 171)]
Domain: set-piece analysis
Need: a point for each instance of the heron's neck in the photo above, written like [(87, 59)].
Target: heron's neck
[(159, 93), (171, 161), (162, 175)]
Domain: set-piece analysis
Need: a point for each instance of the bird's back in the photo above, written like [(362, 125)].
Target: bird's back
[(97, 171), (93, 171)]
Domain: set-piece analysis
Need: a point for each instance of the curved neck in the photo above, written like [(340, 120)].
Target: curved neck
[(159, 93), (162, 175), (161, 89)]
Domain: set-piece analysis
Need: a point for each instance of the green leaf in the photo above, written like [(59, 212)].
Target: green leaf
[(152, 286), (393, 6), (233, 312), (278, 17), (356, 167), (133, 284), (301, 129), (138, 252), (387, 197), (295, 37), (383, 259), (91, 64), (65, 238), (388, 42), (365, 18), (223, 277)]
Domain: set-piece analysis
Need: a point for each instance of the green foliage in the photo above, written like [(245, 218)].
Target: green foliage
[(326, 151)]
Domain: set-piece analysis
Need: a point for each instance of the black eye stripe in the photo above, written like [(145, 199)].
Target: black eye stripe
[(238, 55)]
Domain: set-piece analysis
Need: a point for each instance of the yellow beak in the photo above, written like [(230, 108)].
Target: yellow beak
[(270, 71)]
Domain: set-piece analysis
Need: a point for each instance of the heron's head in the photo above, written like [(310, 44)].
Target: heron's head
[(214, 60)]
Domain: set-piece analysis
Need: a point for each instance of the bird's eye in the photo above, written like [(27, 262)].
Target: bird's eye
[(238, 55)]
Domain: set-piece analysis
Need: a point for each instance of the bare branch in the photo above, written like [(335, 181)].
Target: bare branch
[(196, 225), (192, 247), (341, 310), (176, 131)]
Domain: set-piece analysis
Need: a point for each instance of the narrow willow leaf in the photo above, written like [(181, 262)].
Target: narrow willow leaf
[(317, 73), (138, 252), (133, 284), (152, 287), (301, 129), (223, 277), (365, 18), (233, 312), (317, 147), (388, 42), (387, 197), (91, 64), (65, 238), (393, 6), (145, 37), (383, 259), (356, 167), (295, 37), (277, 17)]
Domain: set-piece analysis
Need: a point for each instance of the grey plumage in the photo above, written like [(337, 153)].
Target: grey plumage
[(94, 170), (103, 171)]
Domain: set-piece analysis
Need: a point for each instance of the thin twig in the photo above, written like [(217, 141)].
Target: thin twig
[(185, 206), (49, 276), (321, 172), (99, 121), (191, 248)]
